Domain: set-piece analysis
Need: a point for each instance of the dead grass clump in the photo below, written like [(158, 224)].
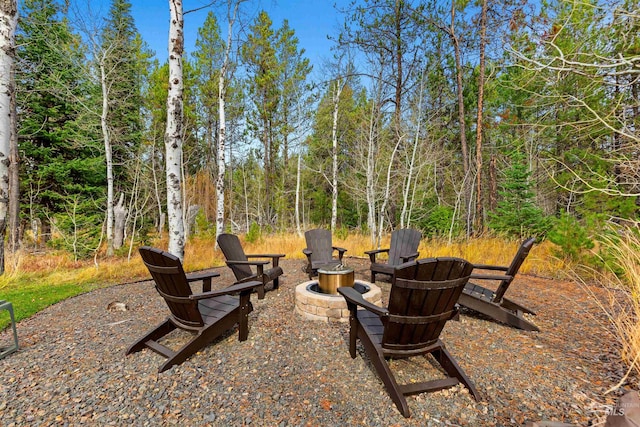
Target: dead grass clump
[(623, 309)]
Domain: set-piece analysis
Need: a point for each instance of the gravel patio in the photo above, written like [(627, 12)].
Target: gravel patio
[(71, 368)]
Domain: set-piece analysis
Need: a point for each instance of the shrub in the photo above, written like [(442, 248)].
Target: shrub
[(571, 238), (254, 232)]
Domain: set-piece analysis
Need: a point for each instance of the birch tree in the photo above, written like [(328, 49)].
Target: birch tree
[(222, 133), (174, 131), (8, 23)]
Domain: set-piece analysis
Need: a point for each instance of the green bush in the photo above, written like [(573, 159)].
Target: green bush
[(254, 233), (516, 213), (571, 238), (438, 222)]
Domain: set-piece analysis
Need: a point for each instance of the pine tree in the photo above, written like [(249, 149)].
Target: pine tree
[(516, 213), (60, 155)]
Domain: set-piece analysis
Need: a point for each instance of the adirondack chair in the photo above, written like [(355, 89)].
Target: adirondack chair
[(493, 303), (239, 263), (403, 248), (208, 315), (319, 251), (422, 299)]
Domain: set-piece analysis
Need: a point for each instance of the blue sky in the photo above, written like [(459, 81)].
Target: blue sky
[(312, 20)]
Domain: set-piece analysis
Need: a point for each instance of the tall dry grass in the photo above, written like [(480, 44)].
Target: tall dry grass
[(621, 282), (486, 250)]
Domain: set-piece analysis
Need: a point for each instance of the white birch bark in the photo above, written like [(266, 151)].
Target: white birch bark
[(404, 216), (334, 140), (387, 191), (108, 153), (222, 133), (119, 222), (298, 183), (8, 23), (370, 190), (173, 134)]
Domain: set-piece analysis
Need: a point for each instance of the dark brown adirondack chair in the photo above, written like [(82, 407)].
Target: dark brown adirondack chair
[(208, 315), (319, 251), (493, 303), (403, 248), (422, 299), (239, 263)]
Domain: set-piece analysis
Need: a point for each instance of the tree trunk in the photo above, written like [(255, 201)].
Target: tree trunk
[(174, 131), (119, 221), (493, 183), (15, 234), (385, 201), (405, 213), (8, 23), (298, 183), (461, 119), (334, 153), (370, 190), (479, 122), (222, 131), (108, 154)]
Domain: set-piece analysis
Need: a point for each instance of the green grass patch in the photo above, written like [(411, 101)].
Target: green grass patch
[(30, 296)]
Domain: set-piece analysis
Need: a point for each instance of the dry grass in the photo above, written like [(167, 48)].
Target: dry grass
[(200, 253), (35, 280), (622, 306)]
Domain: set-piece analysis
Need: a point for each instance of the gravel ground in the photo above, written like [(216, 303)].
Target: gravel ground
[(71, 368)]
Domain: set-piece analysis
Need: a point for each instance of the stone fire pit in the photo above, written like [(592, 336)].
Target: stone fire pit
[(312, 304)]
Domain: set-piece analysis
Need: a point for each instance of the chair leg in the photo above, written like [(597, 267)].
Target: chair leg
[(155, 334), (384, 372), (373, 277), (496, 312), (5, 305), (260, 291), (243, 317), (452, 368), (354, 325)]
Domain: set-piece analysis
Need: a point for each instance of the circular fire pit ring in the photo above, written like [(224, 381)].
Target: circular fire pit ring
[(315, 305)]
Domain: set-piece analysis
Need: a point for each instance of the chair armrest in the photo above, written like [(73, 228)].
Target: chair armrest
[(489, 267), (194, 277), (275, 258), (410, 257), (265, 255), (205, 277), (262, 262), (235, 288), (490, 276), (354, 297), (307, 252), (340, 250), (372, 254)]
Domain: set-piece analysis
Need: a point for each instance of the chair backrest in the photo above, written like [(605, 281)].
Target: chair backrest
[(232, 250), (171, 283), (403, 242), (422, 299), (320, 244), (513, 269)]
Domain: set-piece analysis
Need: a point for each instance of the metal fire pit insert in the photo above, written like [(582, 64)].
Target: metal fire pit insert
[(330, 278)]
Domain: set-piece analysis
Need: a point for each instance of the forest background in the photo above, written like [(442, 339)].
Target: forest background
[(456, 118), (462, 119)]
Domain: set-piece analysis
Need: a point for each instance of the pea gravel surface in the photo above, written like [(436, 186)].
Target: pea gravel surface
[(72, 370)]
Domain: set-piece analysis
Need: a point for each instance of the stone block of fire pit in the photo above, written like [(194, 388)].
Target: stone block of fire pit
[(315, 305)]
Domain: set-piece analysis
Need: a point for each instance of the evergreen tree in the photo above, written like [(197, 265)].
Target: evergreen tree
[(61, 158), (516, 213)]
